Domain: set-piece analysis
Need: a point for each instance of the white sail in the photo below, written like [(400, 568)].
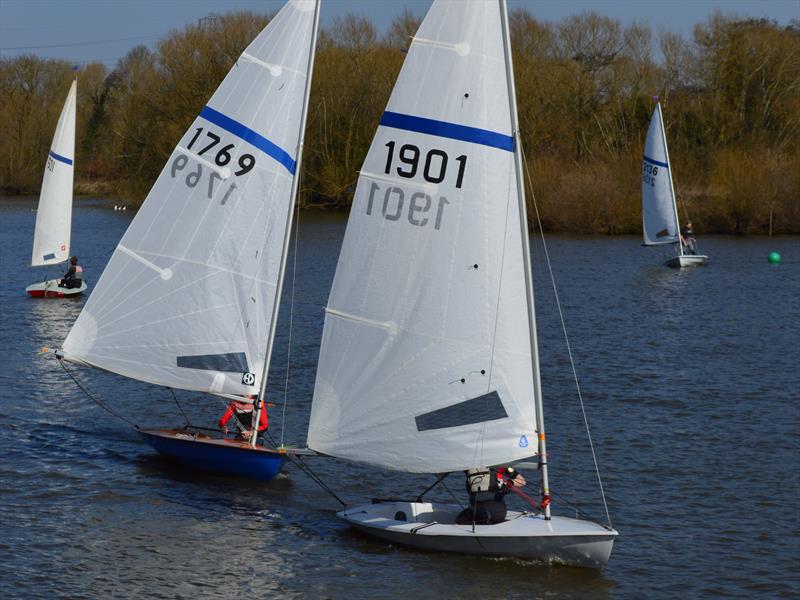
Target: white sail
[(425, 364), (187, 298), (54, 217), (660, 224)]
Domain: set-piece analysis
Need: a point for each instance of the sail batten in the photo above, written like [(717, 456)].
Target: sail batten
[(188, 296), (51, 240), (425, 364)]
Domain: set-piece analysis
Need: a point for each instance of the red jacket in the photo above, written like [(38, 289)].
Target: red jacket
[(244, 407)]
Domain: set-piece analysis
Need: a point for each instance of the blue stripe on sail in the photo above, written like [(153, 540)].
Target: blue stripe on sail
[(50, 256), (251, 137), (63, 159), (453, 131), (655, 162)]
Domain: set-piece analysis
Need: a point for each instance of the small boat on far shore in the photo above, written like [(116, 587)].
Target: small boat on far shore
[(660, 223), (51, 238)]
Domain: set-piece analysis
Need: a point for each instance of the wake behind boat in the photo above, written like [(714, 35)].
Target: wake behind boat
[(660, 223), (429, 358)]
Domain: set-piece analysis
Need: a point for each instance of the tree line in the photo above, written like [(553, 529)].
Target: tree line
[(585, 90)]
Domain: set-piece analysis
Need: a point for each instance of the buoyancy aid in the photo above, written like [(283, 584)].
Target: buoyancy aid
[(244, 415), (72, 278), (483, 484)]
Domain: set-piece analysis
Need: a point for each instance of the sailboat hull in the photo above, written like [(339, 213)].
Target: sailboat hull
[(51, 289), (687, 260), (223, 456), (431, 526)]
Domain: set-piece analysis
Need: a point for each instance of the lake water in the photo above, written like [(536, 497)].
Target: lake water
[(692, 386)]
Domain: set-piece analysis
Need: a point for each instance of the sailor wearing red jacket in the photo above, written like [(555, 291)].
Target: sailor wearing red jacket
[(243, 411)]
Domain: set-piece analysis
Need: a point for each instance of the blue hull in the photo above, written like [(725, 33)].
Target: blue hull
[(227, 457)]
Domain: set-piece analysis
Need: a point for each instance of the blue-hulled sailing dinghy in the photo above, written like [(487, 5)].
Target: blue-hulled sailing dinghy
[(226, 456), (189, 299)]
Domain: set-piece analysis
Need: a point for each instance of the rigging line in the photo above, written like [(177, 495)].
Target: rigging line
[(566, 339), (574, 506), (568, 442), (291, 321), (435, 483), (499, 288), (185, 416), (300, 463), (102, 404), (683, 206), (449, 491), (74, 44)]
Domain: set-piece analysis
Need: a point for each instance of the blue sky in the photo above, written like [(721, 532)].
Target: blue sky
[(105, 30)]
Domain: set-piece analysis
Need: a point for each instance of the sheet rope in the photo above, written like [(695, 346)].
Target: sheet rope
[(566, 337)]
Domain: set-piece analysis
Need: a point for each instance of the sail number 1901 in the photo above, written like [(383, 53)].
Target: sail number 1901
[(395, 204), (434, 166)]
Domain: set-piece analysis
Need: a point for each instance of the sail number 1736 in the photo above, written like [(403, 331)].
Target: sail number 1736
[(649, 173)]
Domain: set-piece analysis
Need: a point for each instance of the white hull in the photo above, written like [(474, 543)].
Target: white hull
[(51, 289), (431, 526), (687, 260)]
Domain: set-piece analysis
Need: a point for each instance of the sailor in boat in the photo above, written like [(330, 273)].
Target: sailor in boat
[(73, 277), (688, 239), (243, 413), (487, 487)]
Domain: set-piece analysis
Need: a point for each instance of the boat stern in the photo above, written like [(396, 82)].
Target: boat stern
[(687, 260), (432, 526), (52, 289)]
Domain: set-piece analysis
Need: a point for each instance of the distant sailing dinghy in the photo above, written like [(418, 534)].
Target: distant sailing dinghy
[(189, 299), (54, 218), (660, 221), (429, 357)]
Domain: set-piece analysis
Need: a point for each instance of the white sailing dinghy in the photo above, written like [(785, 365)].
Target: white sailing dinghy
[(51, 238), (429, 361), (660, 223), (189, 299)]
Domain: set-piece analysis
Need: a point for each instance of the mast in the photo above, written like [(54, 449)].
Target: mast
[(287, 234), (526, 257), (669, 175)]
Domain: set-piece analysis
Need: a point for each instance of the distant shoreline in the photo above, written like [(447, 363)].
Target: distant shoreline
[(343, 212)]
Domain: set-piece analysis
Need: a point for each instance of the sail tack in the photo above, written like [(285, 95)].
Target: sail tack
[(51, 239), (187, 298), (425, 364), (659, 221)]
